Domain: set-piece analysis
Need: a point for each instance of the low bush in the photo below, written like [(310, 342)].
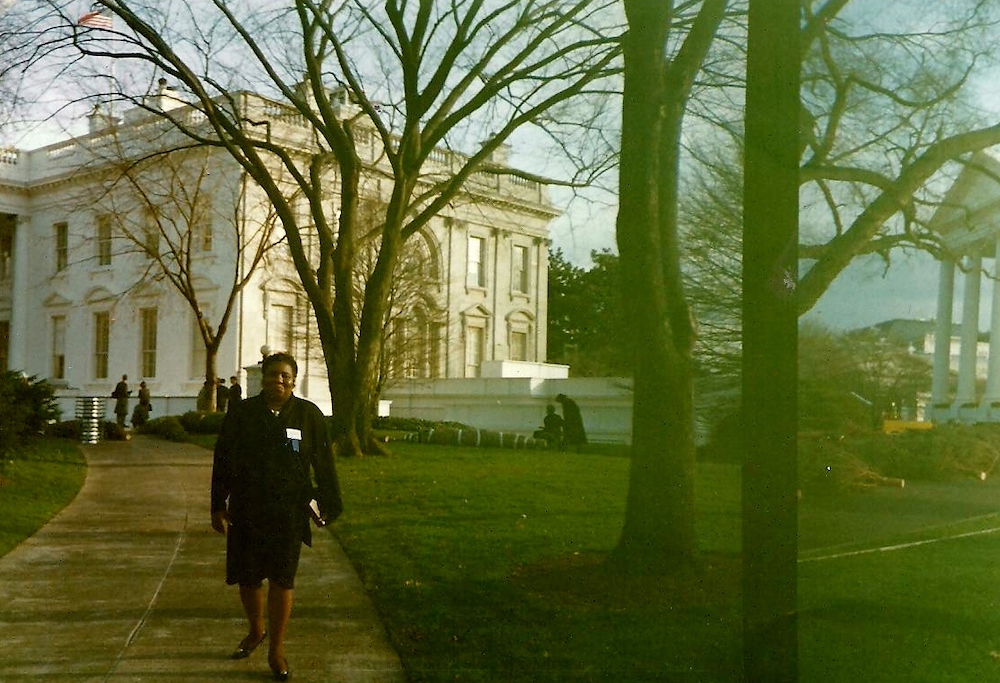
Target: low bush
[(66, 429), (197, 422), (411, 424), (27, 405), (168, 427), (470, 436), (944, 453)]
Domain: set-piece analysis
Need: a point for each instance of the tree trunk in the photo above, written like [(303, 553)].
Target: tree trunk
[(659, 521), (770, 234)]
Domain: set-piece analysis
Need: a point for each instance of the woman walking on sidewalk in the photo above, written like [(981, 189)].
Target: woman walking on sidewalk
[(270, 450)]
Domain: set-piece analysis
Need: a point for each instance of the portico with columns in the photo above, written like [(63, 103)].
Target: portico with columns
[(968, 222)]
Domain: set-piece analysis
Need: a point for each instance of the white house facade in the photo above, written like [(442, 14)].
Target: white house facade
[(81, 304)]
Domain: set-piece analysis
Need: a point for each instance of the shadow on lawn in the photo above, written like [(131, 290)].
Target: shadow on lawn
[(588, 579)]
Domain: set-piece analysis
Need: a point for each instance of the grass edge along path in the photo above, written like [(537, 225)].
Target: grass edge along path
[(35, 484), (488, 565)]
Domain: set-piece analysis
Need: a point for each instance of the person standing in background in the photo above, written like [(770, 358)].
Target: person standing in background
[(120, 394), (142, 409), (235, 391), (221, 395), (573, 432)]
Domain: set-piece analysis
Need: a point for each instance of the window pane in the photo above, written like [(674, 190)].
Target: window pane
[(519, 346), (473, 350), (102, 334), (58, 347), (199, 355), (202, 219), (477, 272), (279, 329), (62, 245), (7, 228), (152, 234), (148, 350), (519, 265), (104, 240)]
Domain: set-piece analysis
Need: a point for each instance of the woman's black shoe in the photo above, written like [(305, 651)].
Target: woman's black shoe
[(280, 670), (246, 648)]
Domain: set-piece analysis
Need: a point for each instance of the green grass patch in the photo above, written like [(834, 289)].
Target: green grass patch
[(488, 565), (900, 584), (39, 481)]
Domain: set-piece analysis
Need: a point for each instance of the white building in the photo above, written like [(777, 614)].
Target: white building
[(77, 305), (967, 221)]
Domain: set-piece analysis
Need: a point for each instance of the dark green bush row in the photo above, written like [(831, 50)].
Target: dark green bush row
[(470, 436), (202, 423), (71, 429), (411, 424), (944, 453)]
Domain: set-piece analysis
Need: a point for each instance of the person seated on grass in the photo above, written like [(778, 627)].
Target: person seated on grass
[(552, 427)]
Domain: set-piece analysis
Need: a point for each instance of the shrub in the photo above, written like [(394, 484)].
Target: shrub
[(411, 424), (944, 453), (68, 429), (202, 423), (168, 427), (27, 405)]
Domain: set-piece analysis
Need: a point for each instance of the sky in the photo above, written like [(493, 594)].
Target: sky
[(864, 294), (867, 293)]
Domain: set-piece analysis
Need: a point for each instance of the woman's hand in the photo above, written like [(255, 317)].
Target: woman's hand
[(220, 521)]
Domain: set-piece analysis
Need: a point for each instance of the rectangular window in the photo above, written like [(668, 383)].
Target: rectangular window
[(202, 222), (199, 355), (4, 345), (62, 245), (398, 346), (279, 328), (519, 346), (151, 234), (147, 351), (58, 347), (102, 338), (474, 341), (519, 269), (7, 228), (477, 264), (435, 334), (104, 240)]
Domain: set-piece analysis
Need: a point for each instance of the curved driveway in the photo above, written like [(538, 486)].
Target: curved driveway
[(126, 584)]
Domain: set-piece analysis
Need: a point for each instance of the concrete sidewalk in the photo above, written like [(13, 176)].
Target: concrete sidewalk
[(127, 584)]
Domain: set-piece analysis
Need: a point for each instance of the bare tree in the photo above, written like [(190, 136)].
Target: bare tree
[(166, 211), (463, 76), (889, 111), (13, 41), (659, 532)]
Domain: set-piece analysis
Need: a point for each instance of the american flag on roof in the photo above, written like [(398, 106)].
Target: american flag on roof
[(95, 19)]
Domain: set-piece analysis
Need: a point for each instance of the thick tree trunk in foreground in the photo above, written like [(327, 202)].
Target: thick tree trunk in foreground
[(770, 234), (659, 521)]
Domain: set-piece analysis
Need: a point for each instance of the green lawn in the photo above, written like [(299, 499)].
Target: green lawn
[(35, 485), (924, 606), (487, 566)]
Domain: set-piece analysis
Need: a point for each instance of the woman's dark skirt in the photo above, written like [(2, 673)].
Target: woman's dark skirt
[(254, 554)]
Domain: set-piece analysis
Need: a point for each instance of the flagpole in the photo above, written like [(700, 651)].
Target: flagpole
[(96, 19)]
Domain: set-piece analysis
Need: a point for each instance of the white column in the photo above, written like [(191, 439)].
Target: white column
[(18, 351), (942, 333), (970, 332), (993, 377)]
